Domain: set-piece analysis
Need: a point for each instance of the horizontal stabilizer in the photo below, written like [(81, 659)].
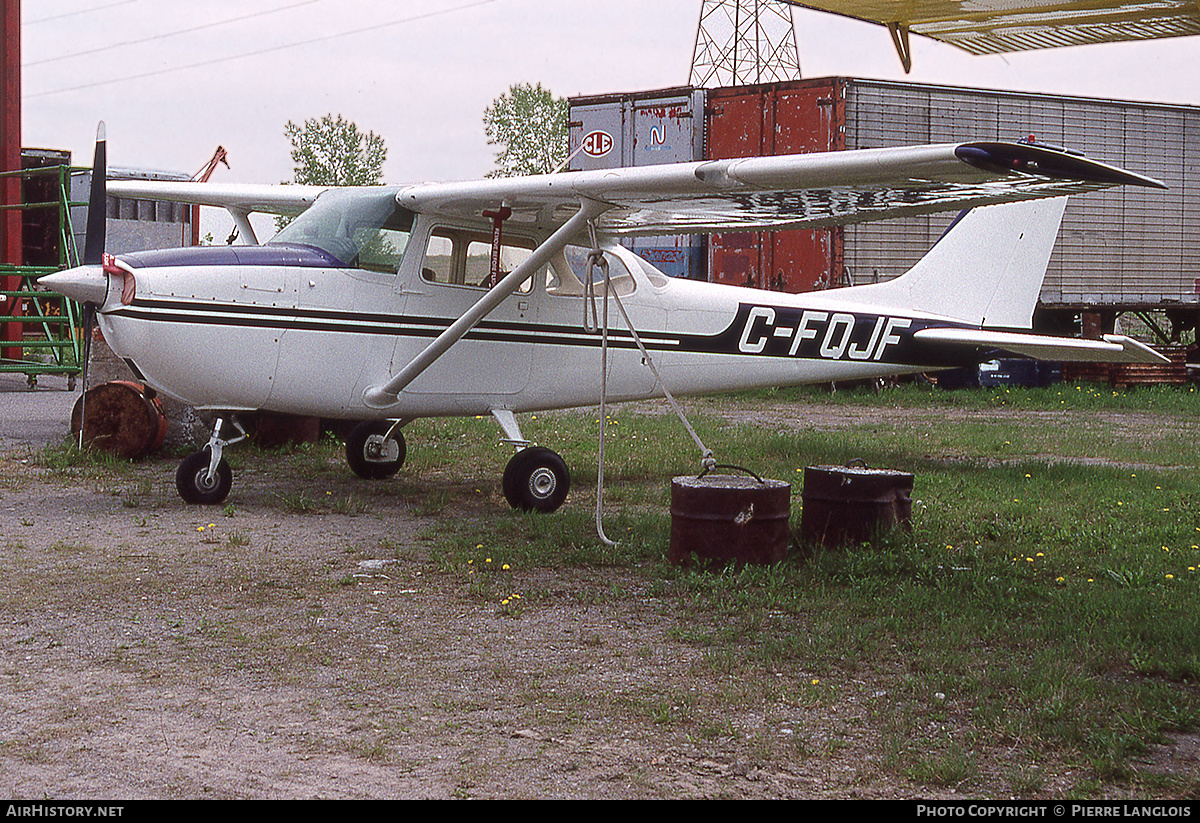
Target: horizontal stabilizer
[(1114, 348)]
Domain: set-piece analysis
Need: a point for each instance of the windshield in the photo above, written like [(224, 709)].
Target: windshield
[(363, 228)]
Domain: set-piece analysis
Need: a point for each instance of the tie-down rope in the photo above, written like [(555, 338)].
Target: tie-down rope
[(597, 260)]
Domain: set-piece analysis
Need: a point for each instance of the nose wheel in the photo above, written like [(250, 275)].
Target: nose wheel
[(199, 482), (536, 479), (204, 478)]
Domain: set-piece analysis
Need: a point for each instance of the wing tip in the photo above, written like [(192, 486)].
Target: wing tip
[(1047, 161)]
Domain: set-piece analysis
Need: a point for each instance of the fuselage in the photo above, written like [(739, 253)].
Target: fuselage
[(290, 331)]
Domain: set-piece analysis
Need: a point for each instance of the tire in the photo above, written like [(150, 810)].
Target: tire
[(536, 479), (194, 485), (369, 455)]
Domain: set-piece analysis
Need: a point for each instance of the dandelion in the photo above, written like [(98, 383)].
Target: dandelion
[(505, 567), (1170, 577), (815, 681), (1060, 580), (1027, 474)]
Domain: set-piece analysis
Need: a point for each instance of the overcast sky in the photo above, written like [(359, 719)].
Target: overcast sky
[(175, 78)]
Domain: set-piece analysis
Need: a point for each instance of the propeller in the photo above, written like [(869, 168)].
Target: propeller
[(93, 254)]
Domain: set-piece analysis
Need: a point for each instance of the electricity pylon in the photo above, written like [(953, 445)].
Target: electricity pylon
[(742, 42)]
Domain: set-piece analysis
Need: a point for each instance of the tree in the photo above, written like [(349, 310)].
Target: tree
[(329, 152), (530, 125)]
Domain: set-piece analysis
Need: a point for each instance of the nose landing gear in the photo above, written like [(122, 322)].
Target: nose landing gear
[(204, 478)]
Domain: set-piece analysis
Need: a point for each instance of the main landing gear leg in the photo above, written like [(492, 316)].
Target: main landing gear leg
[(204, 478), (536, 478)]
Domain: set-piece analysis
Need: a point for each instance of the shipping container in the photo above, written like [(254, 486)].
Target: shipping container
[(781, 118), (1125, 248), (1121, 249), (646, 129)]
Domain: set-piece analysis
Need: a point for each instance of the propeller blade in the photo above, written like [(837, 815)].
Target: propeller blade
[(93, 246), (89, 322), (93, 254)]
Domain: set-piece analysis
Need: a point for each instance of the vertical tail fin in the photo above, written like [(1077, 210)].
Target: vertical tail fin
[(987, 269)]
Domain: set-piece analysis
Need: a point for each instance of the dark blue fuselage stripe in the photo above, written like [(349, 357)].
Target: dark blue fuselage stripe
[(287, 319), (902, 349)]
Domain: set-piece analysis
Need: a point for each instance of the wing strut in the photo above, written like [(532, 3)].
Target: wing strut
[(380, 397), (241, 218)]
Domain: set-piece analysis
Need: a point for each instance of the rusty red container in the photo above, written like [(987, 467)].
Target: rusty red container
[(778, 118), (720, 518), (844, 505)]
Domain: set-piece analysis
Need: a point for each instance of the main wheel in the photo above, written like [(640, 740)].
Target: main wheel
[(194, 484), (373, 455), (536, 479)]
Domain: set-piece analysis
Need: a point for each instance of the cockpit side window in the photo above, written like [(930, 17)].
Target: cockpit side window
[(361, 228), (464, 258)]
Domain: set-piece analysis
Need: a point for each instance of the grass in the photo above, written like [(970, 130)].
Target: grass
[(1044, 601)]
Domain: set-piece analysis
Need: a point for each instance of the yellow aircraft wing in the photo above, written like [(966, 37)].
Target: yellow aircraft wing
[(994, 26)]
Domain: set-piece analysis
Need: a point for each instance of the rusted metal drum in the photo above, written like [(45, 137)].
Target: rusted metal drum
[(853, 504), (122, 419), (722, 517)]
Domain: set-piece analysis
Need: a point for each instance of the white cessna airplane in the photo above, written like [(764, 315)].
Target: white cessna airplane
[(491, 297)]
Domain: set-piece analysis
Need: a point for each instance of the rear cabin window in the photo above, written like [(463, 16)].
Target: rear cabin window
[(567, 280)]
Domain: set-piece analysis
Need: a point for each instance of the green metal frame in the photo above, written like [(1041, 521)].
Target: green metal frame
[(51, 323)]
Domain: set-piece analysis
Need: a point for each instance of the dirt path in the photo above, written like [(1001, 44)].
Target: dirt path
[(149, 654)]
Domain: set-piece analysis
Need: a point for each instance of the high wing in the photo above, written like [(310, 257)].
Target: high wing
[(289, 200), (996, 26), (790, 191), (240, 200)]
